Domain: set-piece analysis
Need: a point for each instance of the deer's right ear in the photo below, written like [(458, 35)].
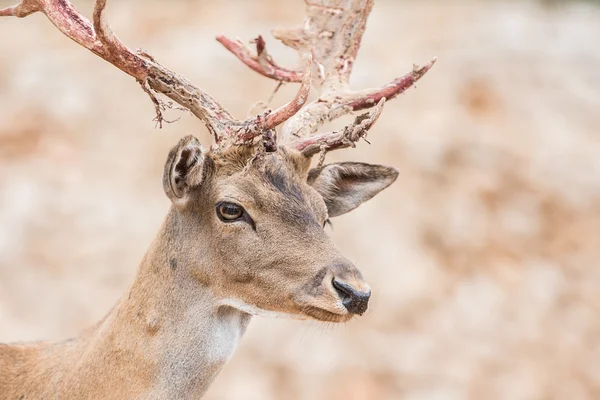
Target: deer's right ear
[(184, 170)]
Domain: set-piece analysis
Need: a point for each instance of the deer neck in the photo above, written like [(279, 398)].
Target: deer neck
[(171, 324)]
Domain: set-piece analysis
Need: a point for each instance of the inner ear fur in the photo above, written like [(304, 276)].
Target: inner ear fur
[(345, 186), (184, 169)]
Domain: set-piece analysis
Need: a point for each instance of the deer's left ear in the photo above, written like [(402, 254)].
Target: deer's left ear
[(345, 186)]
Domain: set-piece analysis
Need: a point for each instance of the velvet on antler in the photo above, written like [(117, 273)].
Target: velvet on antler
[(328, 42), (98, 37), (332, 33)]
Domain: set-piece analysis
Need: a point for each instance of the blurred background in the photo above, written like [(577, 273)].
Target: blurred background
[(484, 257)]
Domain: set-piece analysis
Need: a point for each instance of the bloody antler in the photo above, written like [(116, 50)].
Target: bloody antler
[(330, 39), (262, 61), (99, 38), (332, 33)]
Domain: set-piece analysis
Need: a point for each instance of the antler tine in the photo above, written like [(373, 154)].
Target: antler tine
[(107, 37), (261, 62), (346, 137), (285, 112), (153, 77), (23, 9), (264, 123), (366, 98)]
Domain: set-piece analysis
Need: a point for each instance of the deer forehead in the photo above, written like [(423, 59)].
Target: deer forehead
[(279, 182)]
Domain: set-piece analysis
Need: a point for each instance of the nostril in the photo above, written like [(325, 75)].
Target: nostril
[(343, 289), (356, 302)]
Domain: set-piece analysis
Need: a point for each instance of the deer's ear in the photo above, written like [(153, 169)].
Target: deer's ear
[(183, 169), (345, 186)]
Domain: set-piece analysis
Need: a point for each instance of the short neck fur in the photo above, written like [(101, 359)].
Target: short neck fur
[(197, 334), (168, 337)]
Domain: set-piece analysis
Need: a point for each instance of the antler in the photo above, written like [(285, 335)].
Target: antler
[(153, 77), (332, 33), (331, 37)]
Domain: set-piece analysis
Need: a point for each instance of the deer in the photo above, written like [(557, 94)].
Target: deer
[(244, 235)]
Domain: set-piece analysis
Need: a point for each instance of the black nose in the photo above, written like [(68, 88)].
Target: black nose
[(356, 302)]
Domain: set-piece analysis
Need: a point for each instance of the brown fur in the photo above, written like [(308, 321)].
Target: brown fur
[(202, 278)]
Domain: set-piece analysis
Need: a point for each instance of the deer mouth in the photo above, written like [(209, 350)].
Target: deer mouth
[(323, 315)]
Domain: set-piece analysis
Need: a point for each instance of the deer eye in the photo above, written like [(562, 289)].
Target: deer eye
[(229, 211)]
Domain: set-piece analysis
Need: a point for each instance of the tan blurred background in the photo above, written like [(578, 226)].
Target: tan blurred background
[(484, 257)]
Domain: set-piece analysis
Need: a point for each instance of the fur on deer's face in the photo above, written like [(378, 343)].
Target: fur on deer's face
[(254, 233)]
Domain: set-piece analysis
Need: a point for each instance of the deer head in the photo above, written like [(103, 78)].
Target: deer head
[(253, 231), (249, 210)]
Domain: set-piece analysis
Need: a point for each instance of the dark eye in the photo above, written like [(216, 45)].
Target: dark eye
[(229, 211)]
